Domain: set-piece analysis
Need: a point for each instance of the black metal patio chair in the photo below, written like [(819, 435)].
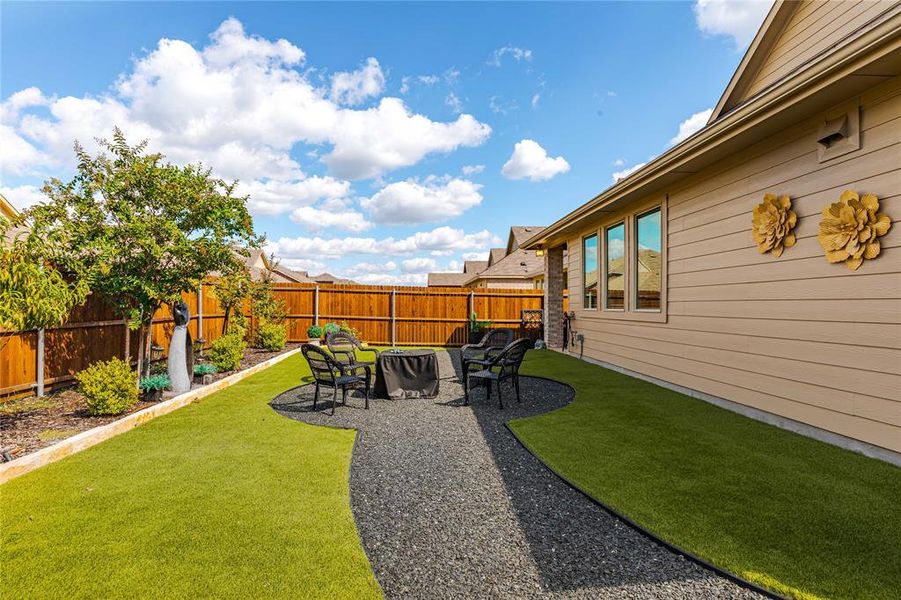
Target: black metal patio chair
[(345, 346), (329, 372), (500, 367), (478, 355)]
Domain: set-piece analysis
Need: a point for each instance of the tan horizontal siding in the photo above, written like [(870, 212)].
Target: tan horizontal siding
[(825, 25), (794, 336)]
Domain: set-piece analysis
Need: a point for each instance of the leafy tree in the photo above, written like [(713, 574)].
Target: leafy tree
[(32, 294), (232, 288), (143, 230)]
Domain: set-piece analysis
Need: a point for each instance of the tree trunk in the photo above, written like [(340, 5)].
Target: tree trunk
[(225, 319), (140, 351), (148, 343), (127, 349)]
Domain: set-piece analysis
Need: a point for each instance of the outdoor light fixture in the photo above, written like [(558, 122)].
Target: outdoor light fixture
[(539, 252)]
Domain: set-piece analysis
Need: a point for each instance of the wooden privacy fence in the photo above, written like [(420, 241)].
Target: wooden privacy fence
[(403, 316)]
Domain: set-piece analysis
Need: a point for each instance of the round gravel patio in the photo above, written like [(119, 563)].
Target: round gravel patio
[(448, 504)]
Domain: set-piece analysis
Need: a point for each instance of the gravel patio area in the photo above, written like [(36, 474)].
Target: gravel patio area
[(448, 504)]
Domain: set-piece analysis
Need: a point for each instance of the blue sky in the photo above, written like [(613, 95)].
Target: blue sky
[(377, 141)]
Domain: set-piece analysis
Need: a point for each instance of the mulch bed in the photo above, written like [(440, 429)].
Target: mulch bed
[(33, 423)]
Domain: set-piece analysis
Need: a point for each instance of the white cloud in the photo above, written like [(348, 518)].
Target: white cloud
[(12, 106), (530, 160), (428, 79), (240, 104), (626, 172), (23, 196), (442, 238), (419, 265), (433, 200), (475, 256), (691, 125), (355, 87), (738, 19), (535, 100), (17, 156), (275, 197), (454, 102), (365, 268), (519, 54), (317, 219), (391, 279), (302, 264), (619, 162), (472, 169)]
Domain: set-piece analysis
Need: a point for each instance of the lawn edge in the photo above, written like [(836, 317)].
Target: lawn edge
[(628, 521), (96, 435)]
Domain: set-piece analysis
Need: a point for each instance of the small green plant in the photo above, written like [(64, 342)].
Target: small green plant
[(205, 369), (314, 332), (226, 352), (332, 328), (348, 329), (154, 382), (477, 326), (108, 387), (271, 336)]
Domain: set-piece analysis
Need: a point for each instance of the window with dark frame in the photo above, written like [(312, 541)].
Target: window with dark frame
[(646, 282), (590, 271), (615, 267)]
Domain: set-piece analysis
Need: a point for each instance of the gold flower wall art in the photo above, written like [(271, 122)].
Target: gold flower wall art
[(850, 228), (773, 224)]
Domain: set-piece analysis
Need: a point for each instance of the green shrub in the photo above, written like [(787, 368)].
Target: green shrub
[(226, 352), (108, 387), (205, 369), (332, 328), (314, 332), (271, 336), (155, 382), (348, 329)]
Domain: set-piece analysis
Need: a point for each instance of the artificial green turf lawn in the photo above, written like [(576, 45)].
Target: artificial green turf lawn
[(801, 517), (221, 498)]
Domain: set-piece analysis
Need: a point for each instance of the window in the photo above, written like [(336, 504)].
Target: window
[(615, 267), (590, 271), (646, 262)]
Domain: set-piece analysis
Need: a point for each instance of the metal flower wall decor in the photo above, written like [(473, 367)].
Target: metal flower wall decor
[(773, 224), (850, 229)]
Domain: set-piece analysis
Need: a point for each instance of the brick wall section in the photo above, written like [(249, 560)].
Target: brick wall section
[(553, 297)]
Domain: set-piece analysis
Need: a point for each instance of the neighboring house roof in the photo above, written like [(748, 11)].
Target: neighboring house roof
[(495, 255), (258, 264), (519, 264), (519, 234), (471, 267), (447, 279), (329, 279), (857, 60)]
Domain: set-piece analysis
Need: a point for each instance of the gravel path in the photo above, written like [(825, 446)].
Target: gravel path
[(449, 505)]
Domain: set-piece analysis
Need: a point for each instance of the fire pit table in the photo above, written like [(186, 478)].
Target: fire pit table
[(406, 374)]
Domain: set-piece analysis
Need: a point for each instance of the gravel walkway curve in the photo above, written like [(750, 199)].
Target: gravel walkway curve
[(449, 505)]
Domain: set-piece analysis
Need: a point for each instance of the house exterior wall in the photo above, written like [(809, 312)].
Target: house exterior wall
[(794, 336), (507, 284)]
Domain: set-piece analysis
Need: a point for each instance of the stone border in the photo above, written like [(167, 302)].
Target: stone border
[(92, 437)]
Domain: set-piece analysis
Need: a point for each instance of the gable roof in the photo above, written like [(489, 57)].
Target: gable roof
[(328, 278), (519, 234), (495, 255), (519, 264), (447, 279), (471, 267)]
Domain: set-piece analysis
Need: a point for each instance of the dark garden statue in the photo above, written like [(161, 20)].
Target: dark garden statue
[(181, 355)]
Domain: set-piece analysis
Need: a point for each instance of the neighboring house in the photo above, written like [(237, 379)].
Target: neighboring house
[(258, 264), (329, 279), (7, 213), (688, 300), (510, 267)]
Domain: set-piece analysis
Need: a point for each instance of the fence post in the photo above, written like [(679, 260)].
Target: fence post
[(200, 311), (40, 364), (316, 305), (393, 319)]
